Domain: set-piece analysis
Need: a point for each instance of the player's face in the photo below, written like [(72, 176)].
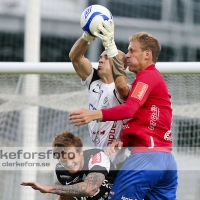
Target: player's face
[(72, 160), (104, 65), (136, 58)]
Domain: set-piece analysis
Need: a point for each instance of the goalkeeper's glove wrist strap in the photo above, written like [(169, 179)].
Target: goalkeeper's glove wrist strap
[(111, 51), (87, 37)]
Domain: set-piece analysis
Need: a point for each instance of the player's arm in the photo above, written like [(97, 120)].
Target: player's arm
[(82, 65), (56, 182), (117, 64), (120, 112), (89, 187), (117, 58)]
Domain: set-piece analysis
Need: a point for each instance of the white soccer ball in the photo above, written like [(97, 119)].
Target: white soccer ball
[(92, 16)]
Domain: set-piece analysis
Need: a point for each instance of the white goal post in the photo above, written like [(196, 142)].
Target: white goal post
[(59, 92)]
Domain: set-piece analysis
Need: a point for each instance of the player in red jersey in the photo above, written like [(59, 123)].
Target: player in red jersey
[(151, 171)]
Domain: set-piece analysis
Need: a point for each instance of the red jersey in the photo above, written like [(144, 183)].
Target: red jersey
[(149, 126)]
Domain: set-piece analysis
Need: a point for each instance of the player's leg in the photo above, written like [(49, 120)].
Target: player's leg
[(138, 176), (132, 181), (166, 188)]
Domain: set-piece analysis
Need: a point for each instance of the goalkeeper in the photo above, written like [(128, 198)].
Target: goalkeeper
[(150, 172), (103, 93)]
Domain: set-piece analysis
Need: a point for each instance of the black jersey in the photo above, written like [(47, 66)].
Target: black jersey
[(95, 160)]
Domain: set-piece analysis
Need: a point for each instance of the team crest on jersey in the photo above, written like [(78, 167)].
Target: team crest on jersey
[(84, 176), (96, 158), (105, 100), (139, 90), (168, 136), (105, 103)]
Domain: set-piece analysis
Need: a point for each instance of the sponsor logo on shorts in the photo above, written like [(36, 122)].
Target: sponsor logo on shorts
[(125, 198), (96, 158), (139, 90)]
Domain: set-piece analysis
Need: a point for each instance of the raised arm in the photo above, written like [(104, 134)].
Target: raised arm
[(116, 57), (89, 187), (118, 67), (82, 65)]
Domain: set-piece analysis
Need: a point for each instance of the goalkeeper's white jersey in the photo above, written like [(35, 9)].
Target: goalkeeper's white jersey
[(101, 96)]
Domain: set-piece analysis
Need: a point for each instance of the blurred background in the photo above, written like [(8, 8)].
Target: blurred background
[(34, 108), (176, 23)]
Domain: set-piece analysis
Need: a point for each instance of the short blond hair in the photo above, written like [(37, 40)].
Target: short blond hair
[(147, 42)]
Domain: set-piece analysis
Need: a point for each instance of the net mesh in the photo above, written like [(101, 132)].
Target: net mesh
[(61, 94), (174, 22)]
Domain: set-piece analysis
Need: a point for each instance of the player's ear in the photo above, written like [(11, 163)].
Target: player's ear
[(148, 54)]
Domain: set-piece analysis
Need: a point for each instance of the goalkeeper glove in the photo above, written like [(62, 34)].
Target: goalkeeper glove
[(87, 37), (107, 36)]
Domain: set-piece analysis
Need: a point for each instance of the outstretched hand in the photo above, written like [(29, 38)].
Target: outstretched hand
[(38, 186), (84, 116)]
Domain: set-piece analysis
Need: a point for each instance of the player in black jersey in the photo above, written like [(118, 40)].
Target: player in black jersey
[(80, 175)]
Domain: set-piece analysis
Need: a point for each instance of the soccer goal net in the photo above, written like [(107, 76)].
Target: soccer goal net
[(36, 99)]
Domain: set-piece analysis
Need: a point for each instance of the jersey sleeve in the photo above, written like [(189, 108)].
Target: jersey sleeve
[(99, 163), (117, 94), (92, 77), (120, 112), (141, 88)]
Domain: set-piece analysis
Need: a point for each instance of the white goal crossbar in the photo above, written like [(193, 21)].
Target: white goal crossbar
[(66, 67), (36, 98)]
